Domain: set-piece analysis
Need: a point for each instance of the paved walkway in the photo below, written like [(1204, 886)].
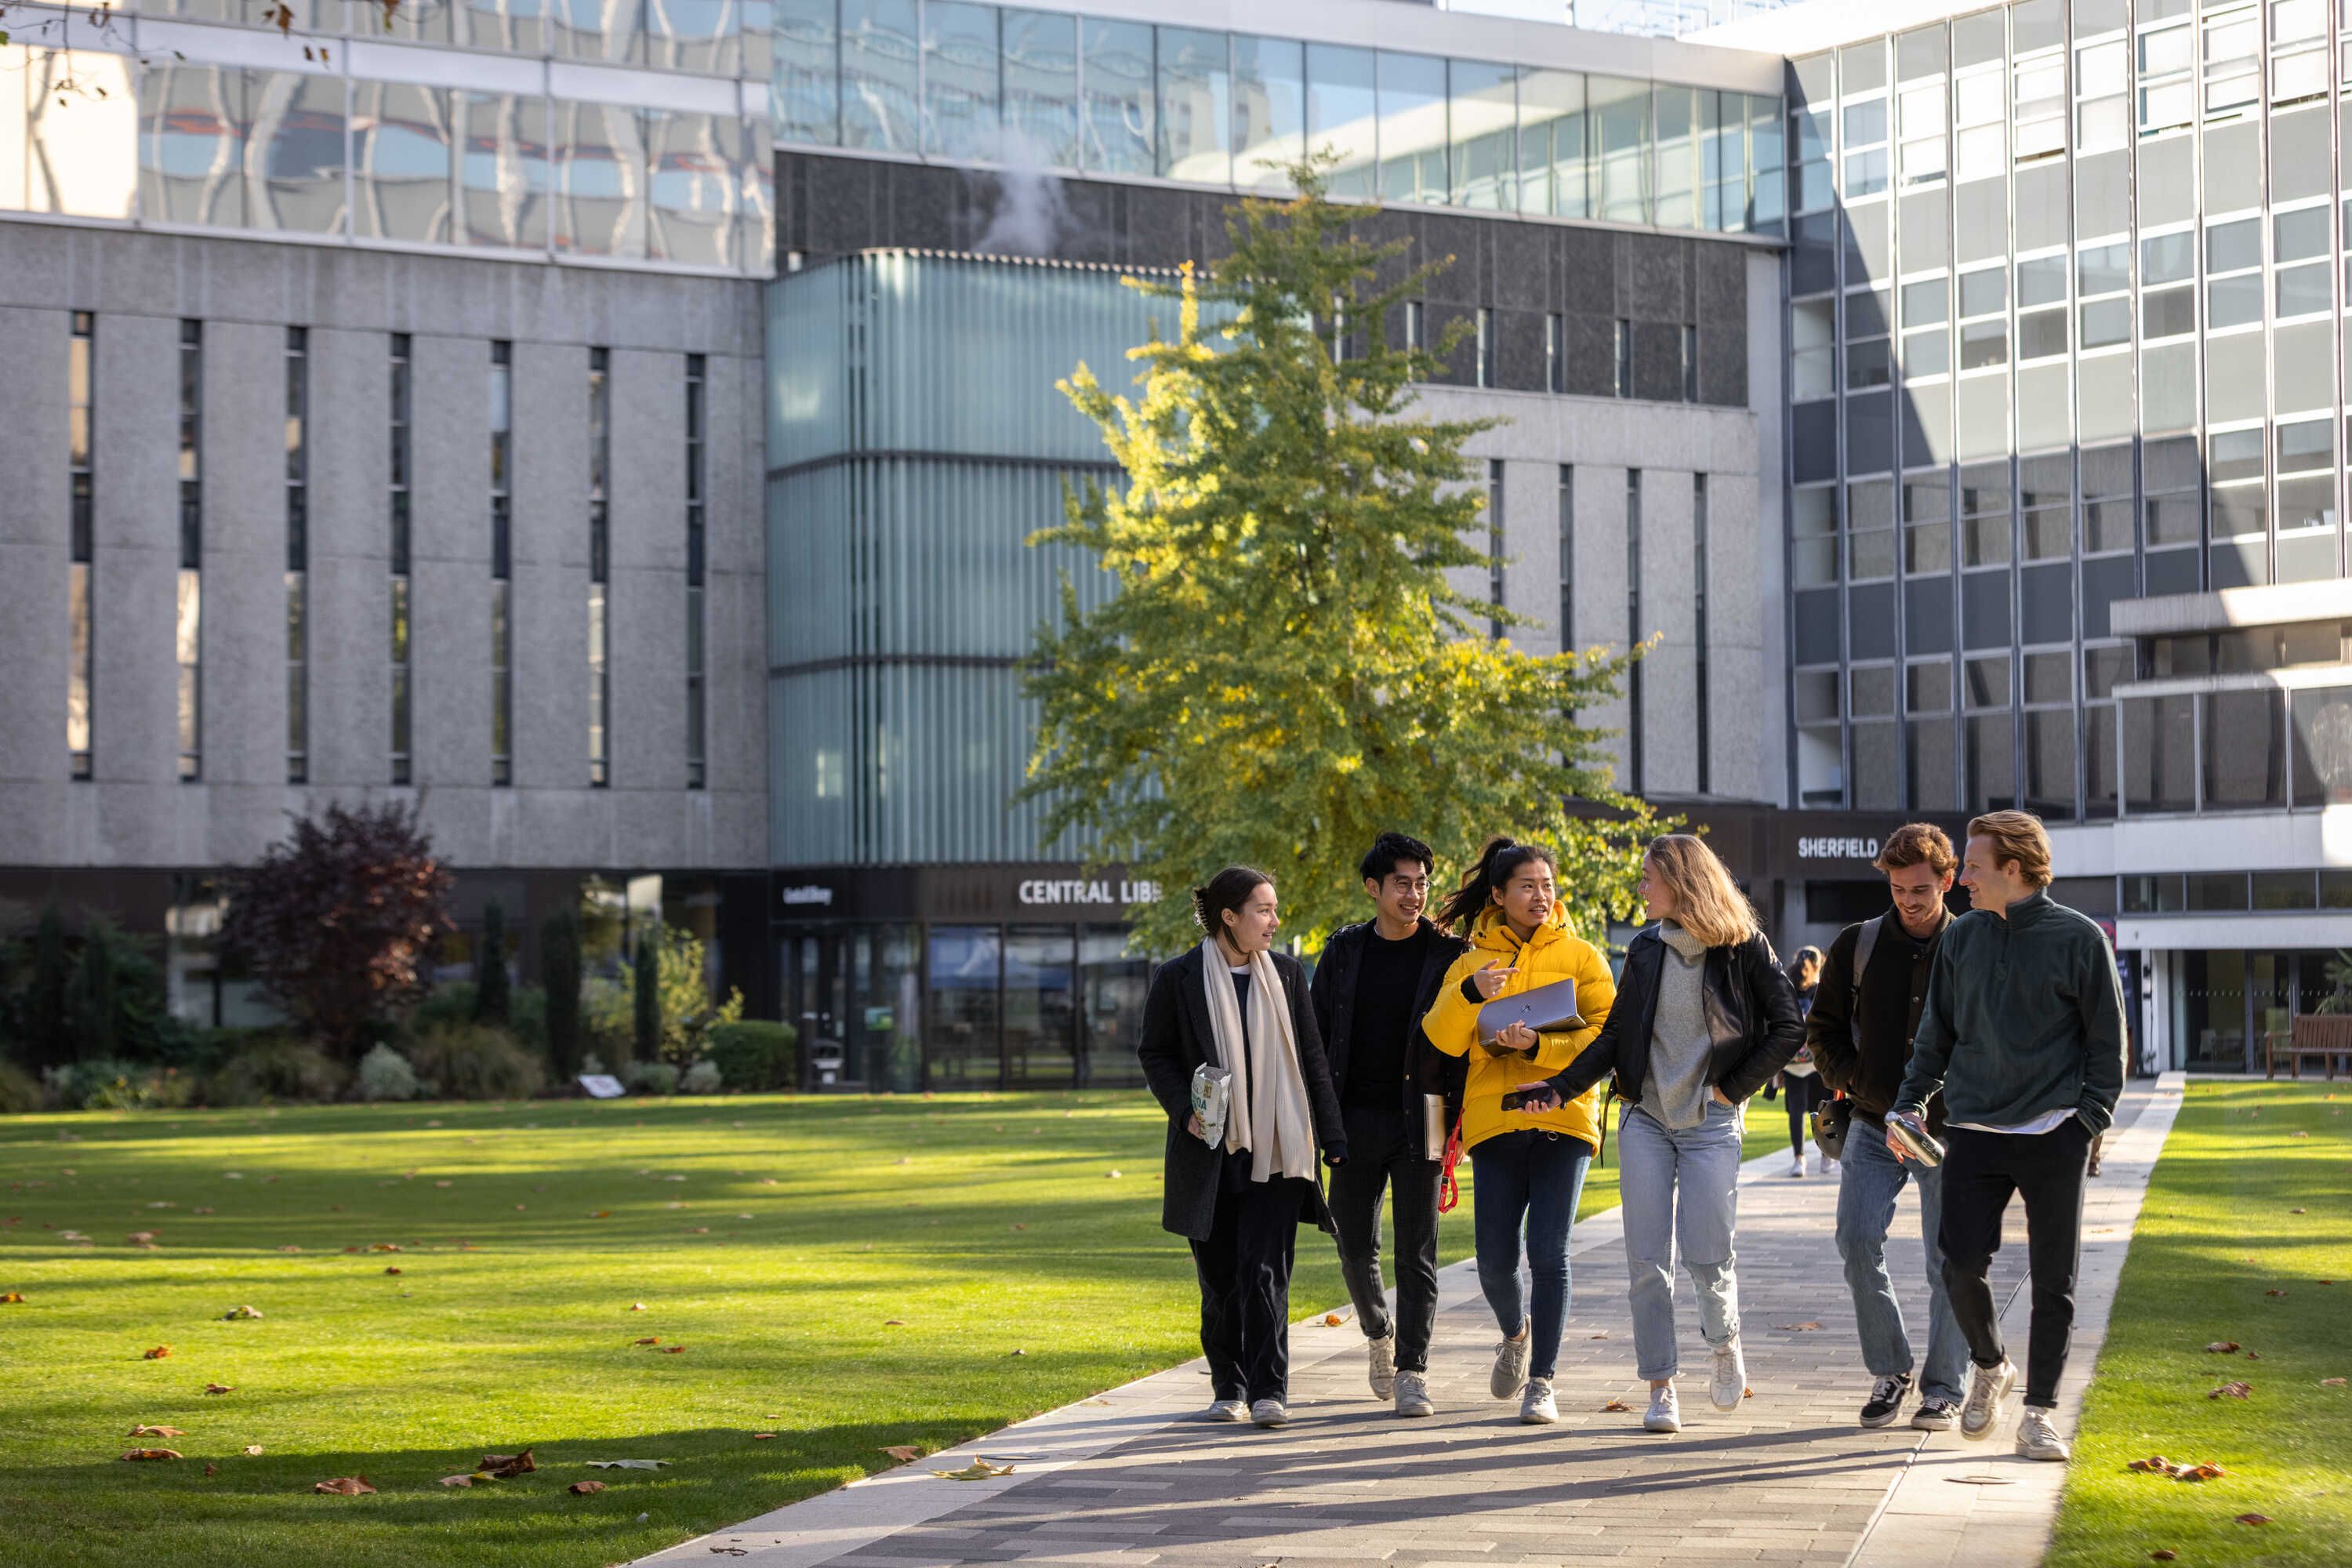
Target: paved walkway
[(1130, 1479)]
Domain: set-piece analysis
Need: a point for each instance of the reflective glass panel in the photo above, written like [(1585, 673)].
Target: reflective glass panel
[(1119, 137), (401, 162), (1621, 115), (1484, 120), (1341, 115), (960, 81), (694, 34), (295, 179), (695, 185), (601, 166), (192, 144), (1196, 113), (806, 96), (1552, 149), (1041, 89), (1413, 128), (502, 168), (1269, 109), (878, 68)]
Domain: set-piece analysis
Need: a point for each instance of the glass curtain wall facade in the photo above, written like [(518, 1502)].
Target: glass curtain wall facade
[(1123, 99), (2065, 319)]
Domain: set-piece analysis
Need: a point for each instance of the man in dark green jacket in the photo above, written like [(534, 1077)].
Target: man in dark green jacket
[(2022, 1030)]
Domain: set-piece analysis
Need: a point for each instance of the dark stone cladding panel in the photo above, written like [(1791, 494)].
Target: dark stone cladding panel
[(1519, 349), (1723, 365), (1522, 267), (1462, 359), (1658, 362), (1591, 355), (1585, 270), (1650, 286)]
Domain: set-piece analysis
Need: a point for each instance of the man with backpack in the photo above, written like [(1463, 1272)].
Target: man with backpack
[(1873, 984), (1371, 987)]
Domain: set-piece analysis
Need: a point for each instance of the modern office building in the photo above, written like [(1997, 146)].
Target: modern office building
[(615, 427)]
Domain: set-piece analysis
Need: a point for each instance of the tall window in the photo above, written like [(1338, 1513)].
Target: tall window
[(600, 567), (698, 394), (1622, 382), (1690, 362), (400, 601), (1486, 345), (1698, 628), (1633, 627), (189, 621), (1567, 558), (1414, 340), (82, 478), (298, 555), (501, 564), (1555, 352), (1494, 546)]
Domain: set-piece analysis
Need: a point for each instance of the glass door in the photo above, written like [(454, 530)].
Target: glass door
[(1040, 1018), (817, 1003)]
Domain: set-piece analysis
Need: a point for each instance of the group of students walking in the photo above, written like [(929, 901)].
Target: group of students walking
[(1997, 1035)]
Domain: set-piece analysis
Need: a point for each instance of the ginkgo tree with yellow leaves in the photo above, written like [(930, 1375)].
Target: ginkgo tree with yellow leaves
[(1290, 664)]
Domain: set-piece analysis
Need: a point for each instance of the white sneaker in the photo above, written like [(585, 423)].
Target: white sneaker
[(1729, 1386), (1511, 1364), (1829, 1167), (1797, 1166), (1987, 1386), (1226, 1410), (1536, 1406), (1413, 1395), (1382, 1354), (1664, 1415), (1269, 1413), (2037, 1436)]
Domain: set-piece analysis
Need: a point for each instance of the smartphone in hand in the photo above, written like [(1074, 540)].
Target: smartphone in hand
[(1515, 1099)]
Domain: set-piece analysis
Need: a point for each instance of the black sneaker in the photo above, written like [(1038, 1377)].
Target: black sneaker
[(1937, 1414), (1885, 1401)]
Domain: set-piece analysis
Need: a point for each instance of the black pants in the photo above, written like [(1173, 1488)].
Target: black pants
[(1981, 1170), (1244, 1269), (1384, 1152), (1805, 1093)]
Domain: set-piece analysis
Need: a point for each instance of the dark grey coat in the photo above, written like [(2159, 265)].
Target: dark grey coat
[(1178, 1038)]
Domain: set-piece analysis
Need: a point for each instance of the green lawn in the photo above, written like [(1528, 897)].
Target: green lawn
[(774, 1238), (2252, 1196)]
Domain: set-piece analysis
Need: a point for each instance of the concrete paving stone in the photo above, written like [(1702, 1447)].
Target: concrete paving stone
[(1787, 1479)]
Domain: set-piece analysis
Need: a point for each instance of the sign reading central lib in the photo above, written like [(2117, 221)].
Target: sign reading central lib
[(1079, 890)]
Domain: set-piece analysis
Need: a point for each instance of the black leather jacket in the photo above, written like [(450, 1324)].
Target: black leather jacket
[(1751, 1016), (1428, 1071)]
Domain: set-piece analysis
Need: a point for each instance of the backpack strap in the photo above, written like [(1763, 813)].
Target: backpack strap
[(1863, 945)]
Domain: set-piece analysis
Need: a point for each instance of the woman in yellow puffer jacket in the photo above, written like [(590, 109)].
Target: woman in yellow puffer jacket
[(1525, 1166)]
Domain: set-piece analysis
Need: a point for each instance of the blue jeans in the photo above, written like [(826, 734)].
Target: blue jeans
[(1870, 1180), (1679, 1188), (1537, 1177)]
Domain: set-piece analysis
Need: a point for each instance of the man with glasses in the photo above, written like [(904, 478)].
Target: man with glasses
[(1373, 985)]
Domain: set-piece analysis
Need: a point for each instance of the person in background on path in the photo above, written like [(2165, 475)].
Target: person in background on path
[(1526, 1172), (1799, 1080), (1374, 984), (2022, 1030), (1873, 983), (1233, 1003), (1704, 1015)]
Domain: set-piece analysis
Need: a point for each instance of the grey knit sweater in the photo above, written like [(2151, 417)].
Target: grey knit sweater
[(1675, 1092)]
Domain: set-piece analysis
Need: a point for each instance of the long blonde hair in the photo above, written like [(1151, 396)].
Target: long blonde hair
[(1707, 903)]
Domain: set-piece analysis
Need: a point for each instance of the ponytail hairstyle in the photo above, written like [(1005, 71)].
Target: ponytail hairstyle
[(1497, 863), (1226, 891)]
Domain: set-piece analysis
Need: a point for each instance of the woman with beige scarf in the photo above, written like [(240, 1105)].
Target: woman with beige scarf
[(1235, 1003)]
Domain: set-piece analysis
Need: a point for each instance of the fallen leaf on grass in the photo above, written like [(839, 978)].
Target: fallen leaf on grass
[(383, 1246), (673, 1349), (456, 1480), (151, 1454), (1616, 1405), (905, 1453), (2254, 1519), (1333, 1319), (762, 1436), (220, 1388), (648, 1339), (1113, 1175), (1804, 1328), (298, 1249), (499, 1467), (346, 1485), (12, 1298), (157, 1354), (626, 1464), (978, 1470), (585, 1489), (2221, 1347), (241, 1314), (2331, 1383), (894, 1322), (2254, 1355), (212, 1469), (158, 1432), (638, 1307), (2234, 1390), (2199, 1473), (2274, 1292), (2163, 1554), (142, 1239), (1016, 1353), (2294, 1211), (2153, 1462), (600, 1213)]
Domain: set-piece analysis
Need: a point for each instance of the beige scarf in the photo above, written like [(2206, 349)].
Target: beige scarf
[(1285, 1145)]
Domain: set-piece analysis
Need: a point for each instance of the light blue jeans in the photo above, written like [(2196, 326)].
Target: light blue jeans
[(1869, 1181), (1679, 1189)]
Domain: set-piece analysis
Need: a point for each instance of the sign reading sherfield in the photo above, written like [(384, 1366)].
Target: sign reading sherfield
[(1831, 848)]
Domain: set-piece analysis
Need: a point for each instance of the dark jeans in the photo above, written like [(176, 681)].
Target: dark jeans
[(1384, 1151), (1981, 1170), (1535, 1177), (1244, 1269), (1804, 1095)]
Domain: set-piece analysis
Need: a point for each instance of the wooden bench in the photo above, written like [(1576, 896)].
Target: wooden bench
[(2326, 1036)]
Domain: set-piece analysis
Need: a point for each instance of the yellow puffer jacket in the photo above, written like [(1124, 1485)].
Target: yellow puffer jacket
[(1552, 953)]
